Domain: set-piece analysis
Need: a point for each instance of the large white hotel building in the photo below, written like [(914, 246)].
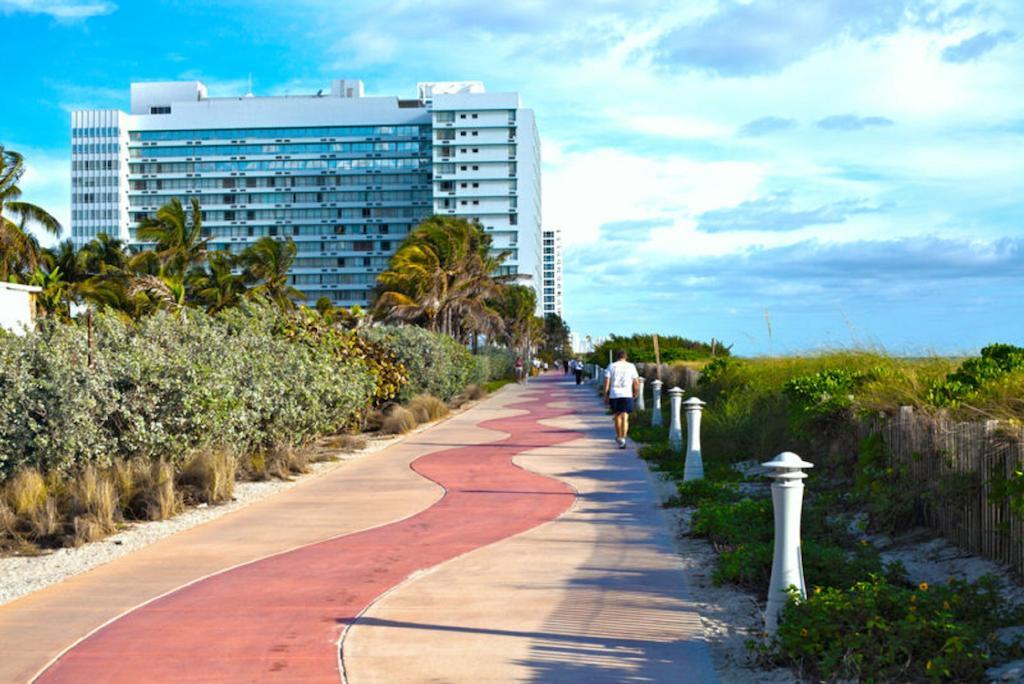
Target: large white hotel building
[(343, 175)]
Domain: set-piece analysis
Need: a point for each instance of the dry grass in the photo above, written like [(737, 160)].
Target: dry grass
[(427, 408), (285, 461), (209, 477), (374, 420), (35, 511), (345, 443), (154, 495), (254, 466), (26, 492), (93, 505), (398, 421)]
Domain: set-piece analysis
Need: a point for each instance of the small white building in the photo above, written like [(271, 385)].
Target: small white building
[(18, 307)]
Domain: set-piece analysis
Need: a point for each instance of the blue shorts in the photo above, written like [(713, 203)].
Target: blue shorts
[(621, 405)]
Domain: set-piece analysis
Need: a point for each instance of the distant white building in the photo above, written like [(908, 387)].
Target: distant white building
[(551, 294), (18, 307), (344, 175)]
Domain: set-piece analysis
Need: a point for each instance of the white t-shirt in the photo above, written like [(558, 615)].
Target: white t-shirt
[(621, 375)]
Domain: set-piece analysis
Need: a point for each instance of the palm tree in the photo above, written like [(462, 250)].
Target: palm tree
[(104, 254), (177, 236), (55, 299), (442, 277), (166, 292), (517, 304), (20, 253), (267, 262), (220, 287)]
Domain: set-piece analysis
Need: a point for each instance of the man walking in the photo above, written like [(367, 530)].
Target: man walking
[(577, 370), (621, 386)]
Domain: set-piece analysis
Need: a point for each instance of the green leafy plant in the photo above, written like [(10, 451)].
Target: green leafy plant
[(995, 361), (878, 631)]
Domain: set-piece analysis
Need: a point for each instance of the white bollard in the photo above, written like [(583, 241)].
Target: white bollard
[(787, 564), (693, 469), (656, 402), (640, 405), (675, 428)]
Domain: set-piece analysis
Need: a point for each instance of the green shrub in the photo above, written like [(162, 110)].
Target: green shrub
[(166, 387), (436, 363), (640, 348), (877, 631), (892, 500), (995, 361), (492, 364), (730, 524), (699, 492)]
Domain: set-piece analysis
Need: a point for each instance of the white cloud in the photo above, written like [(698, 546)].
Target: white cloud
[(65, 10), (584, 190)]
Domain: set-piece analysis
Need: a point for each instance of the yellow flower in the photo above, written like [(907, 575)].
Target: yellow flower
[(928, 665), (803, 632), (923, 586), (913, 598), (945, 605), (817, 590)]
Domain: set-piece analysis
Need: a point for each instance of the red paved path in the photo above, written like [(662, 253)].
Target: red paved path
[(281, 618)]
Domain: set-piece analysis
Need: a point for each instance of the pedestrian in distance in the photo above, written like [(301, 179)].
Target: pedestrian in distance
[(519, 369), (577, 369), (621, 387)]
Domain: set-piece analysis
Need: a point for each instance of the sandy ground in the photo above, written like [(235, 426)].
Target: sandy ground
[(21, 575), (731, 616)]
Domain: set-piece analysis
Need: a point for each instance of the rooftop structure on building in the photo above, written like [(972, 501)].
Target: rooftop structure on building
[(551, 267), (344, 175)]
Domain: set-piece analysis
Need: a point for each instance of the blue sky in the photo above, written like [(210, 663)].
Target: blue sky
[(785, 176)]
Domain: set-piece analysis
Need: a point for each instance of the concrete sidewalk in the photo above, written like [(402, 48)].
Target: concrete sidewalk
[(502, 574), (365, 493), (597, 595)]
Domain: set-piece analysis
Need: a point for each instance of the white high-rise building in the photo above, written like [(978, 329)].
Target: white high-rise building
[(344, 175), (551, 292)]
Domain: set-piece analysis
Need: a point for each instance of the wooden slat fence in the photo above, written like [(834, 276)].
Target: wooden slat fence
[(957, 465)]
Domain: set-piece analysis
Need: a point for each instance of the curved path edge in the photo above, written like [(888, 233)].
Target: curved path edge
[(357, 495), (600, 593), (280, 617)]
